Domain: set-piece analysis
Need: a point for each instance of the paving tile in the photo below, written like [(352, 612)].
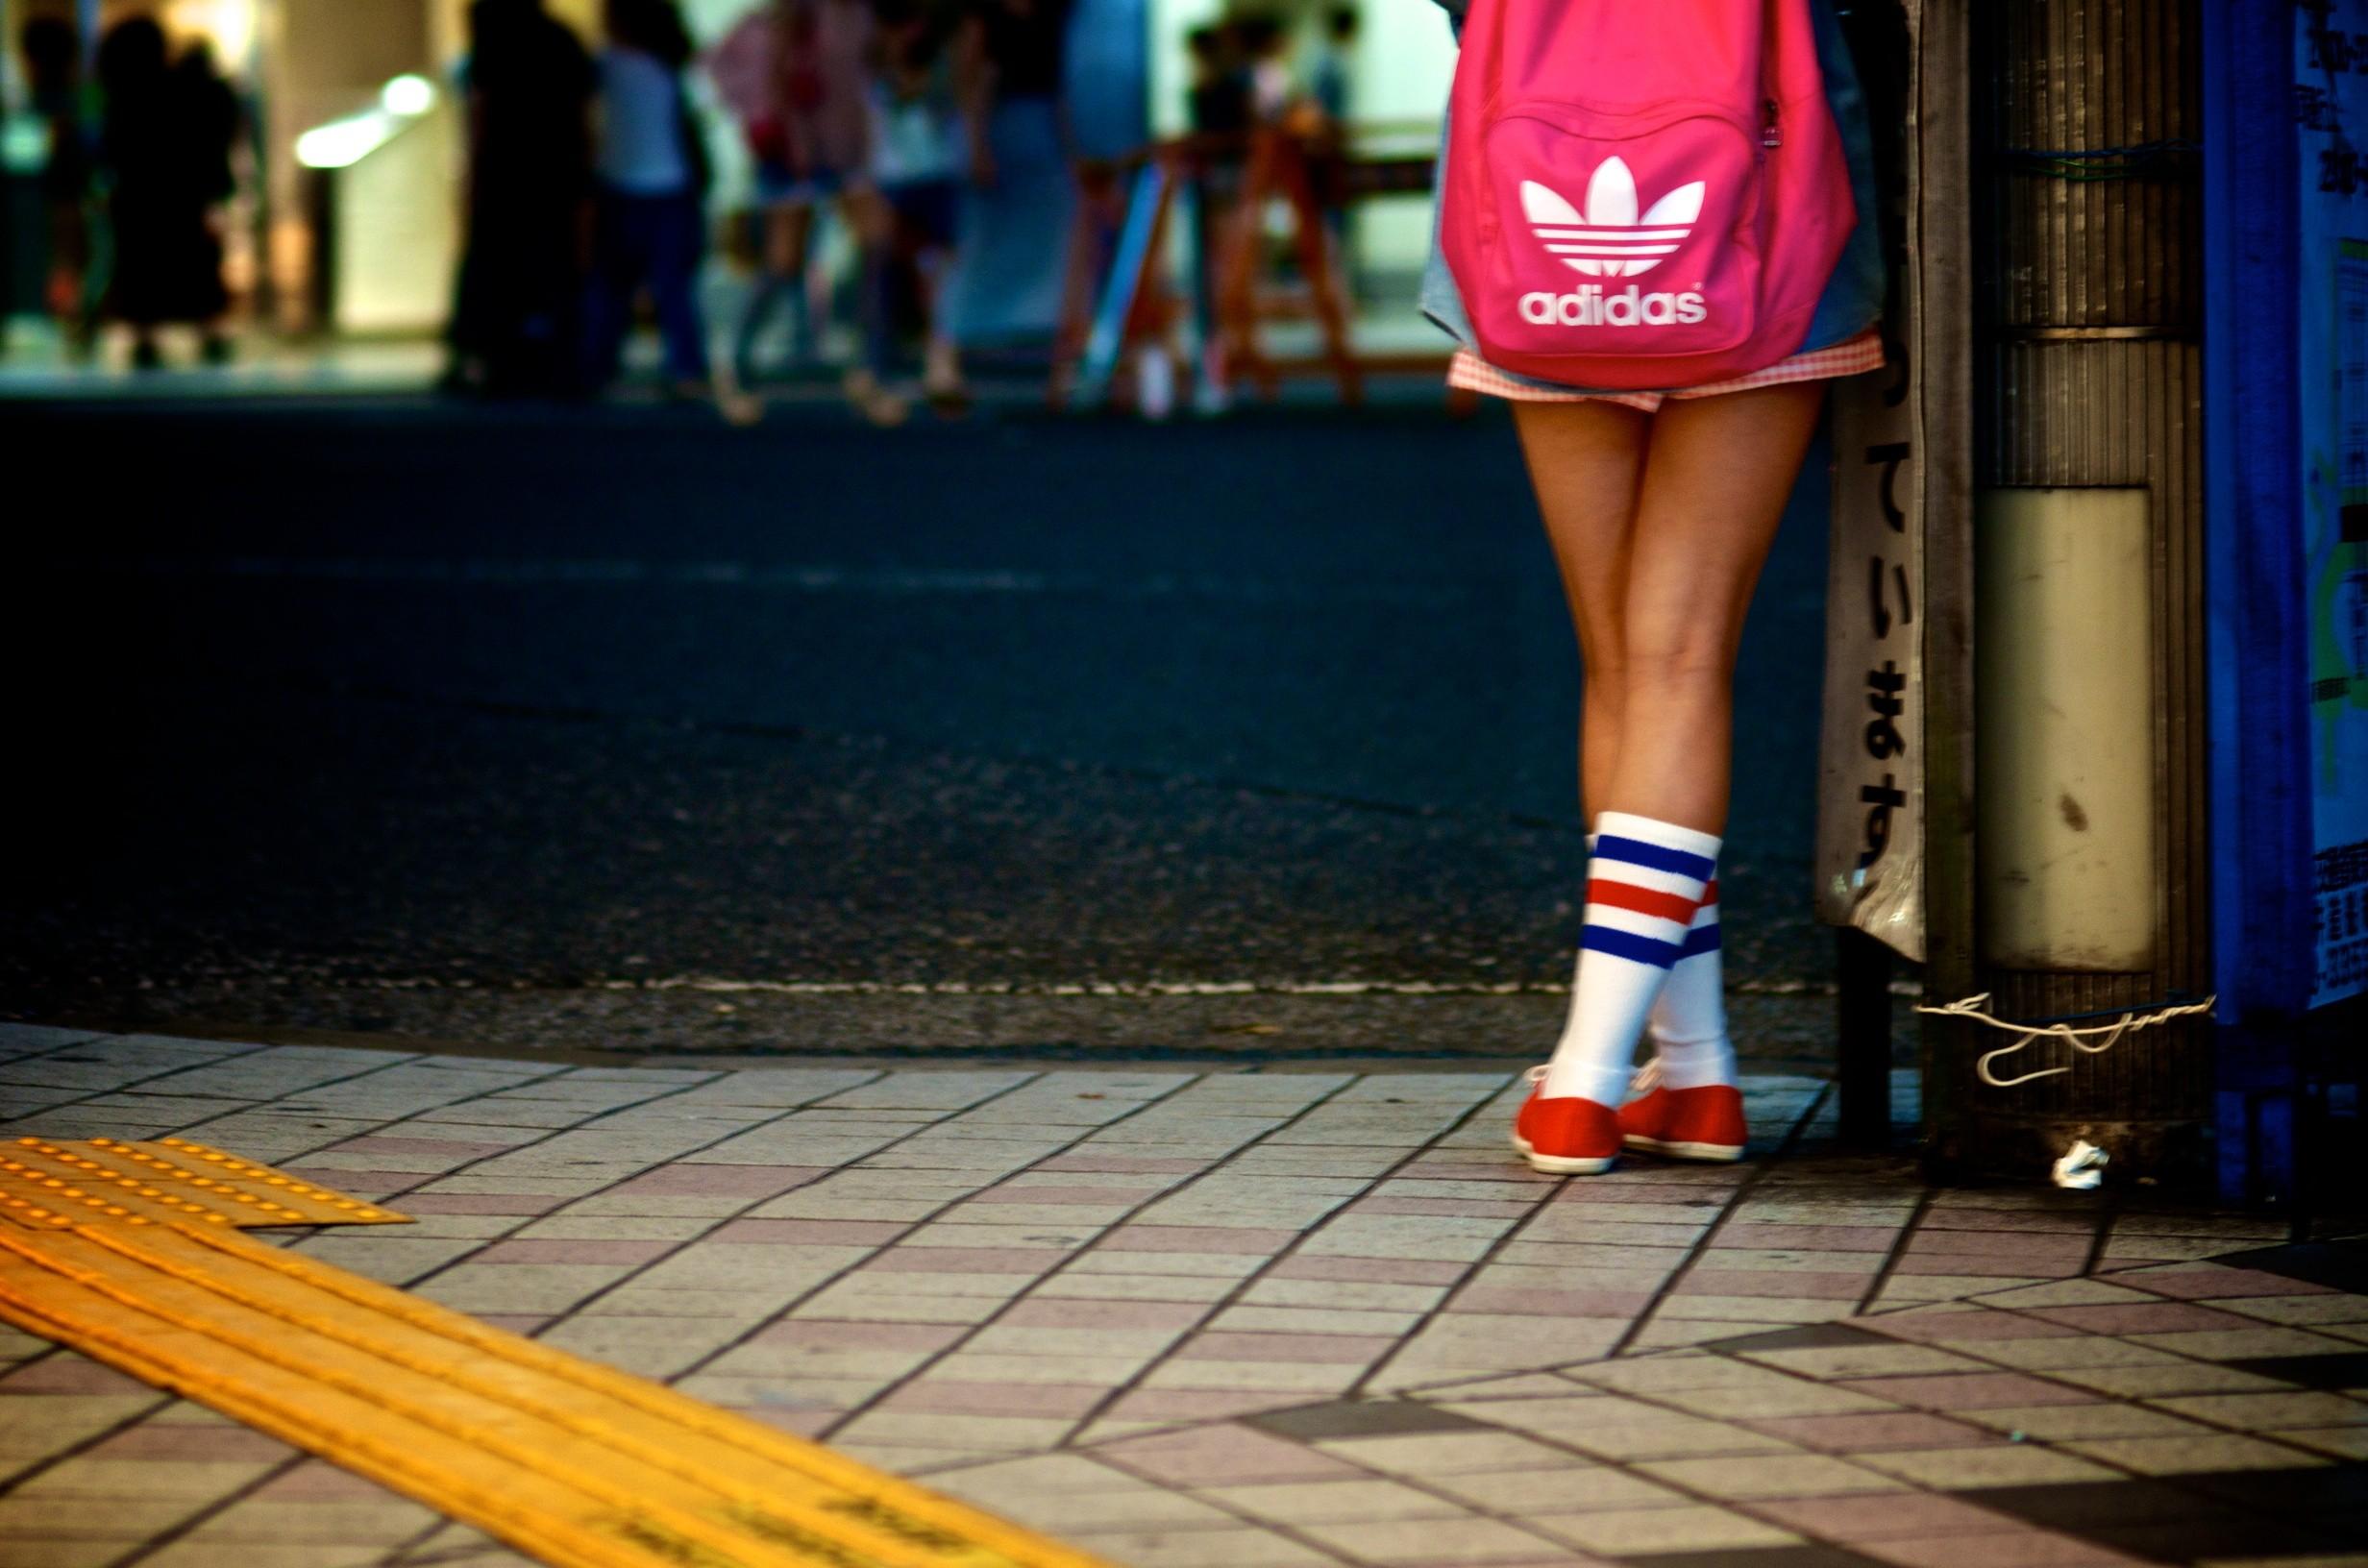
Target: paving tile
[(2198, 1281), (1327, 1349), (1071, 1400), (1576, 1485), (2191, 1453), (1514, 1385), (1227, 1240), (1768, 1475), (1999, 1548), (2174, 1378), (1864, 1361), (1471, 1539), (1242, 1547), (1306, 1379), (1225, 1454), (2140, 1318), (385, 1518), (2342, 1443), (65, 1372), (225, 1553), (1073, 1284), (1925, 1326), (1968, 1390), (1872, 1432), (2262, 1412), (38, 1426), (1432, 1454), (2000, 1464), (2243, 1344), (1334, 1501), (574, 1250), (999, 1338), (1777, 1397), (1372, 1270), (68, 1517), (1637, 1532), (2053, 1422), (991, 1434), (1288, 1321), (1036, 1313), (1882, 1516), (1141, 1409), (978, 1366)]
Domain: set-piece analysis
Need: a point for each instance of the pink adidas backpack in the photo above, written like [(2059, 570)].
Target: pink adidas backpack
[(1642, 194)]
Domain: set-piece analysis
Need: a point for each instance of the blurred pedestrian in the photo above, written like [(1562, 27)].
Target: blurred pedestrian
[(166, 145), (1008, 273), (529, 86), (1218, 103), (1331, 90), (1266, 55), (910, 214), (55, 98), (650, 212), (1105, 107), (796, 74), (1331, 77)]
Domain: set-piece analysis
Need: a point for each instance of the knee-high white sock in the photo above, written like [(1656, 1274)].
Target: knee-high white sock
[(1688, 1023), (1643, 885)]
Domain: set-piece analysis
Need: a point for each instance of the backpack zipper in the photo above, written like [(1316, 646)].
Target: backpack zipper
[(1770, 135)]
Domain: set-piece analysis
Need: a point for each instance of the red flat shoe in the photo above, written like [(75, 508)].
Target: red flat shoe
[(1686, 1123), (1566, 1136)]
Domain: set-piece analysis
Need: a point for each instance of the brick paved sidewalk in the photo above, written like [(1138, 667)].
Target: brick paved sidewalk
[(1246, 1318)]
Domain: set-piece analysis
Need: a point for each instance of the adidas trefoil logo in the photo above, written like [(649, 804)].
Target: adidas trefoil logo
[(1608, 239)]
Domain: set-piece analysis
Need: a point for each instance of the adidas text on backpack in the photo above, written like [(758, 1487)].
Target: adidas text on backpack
[(1642, 194)]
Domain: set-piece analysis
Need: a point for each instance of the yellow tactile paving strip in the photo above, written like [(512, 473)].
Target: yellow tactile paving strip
[(170, 1178), (568, 1460)]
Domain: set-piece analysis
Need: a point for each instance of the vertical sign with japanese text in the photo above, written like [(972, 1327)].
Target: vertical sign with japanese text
[(1871, 840), (2330, 99), (1869, 859)]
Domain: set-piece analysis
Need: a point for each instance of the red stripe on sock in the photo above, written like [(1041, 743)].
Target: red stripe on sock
[(1710, 891), (1667, 906)]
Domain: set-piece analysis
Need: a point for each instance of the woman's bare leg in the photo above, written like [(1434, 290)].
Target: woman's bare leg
[(1586, 462), (1716, 478)]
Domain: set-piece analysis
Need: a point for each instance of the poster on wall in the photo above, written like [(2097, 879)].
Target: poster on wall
[(2331, 96), (1870, 856)]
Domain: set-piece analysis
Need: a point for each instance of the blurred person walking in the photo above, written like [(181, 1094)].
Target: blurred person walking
[(1105, 107), (1331, 93), (796, 74), (650, 210), (1010, 269), (56, 97), (1218, 103), (910, 217), (164, 147), (1331, 77), (529, 86)]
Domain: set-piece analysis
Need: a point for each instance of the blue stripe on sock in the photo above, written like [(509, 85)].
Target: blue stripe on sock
[(1654, 856), (1612, 940), (1702, 939)]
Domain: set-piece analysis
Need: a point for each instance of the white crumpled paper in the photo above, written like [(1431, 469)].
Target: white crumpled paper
[(2082, 1167)]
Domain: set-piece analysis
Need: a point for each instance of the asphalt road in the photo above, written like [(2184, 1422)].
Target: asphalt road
[(614, 727)]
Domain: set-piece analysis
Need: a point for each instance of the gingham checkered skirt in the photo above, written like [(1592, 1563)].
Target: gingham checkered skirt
[(1848, 358)]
